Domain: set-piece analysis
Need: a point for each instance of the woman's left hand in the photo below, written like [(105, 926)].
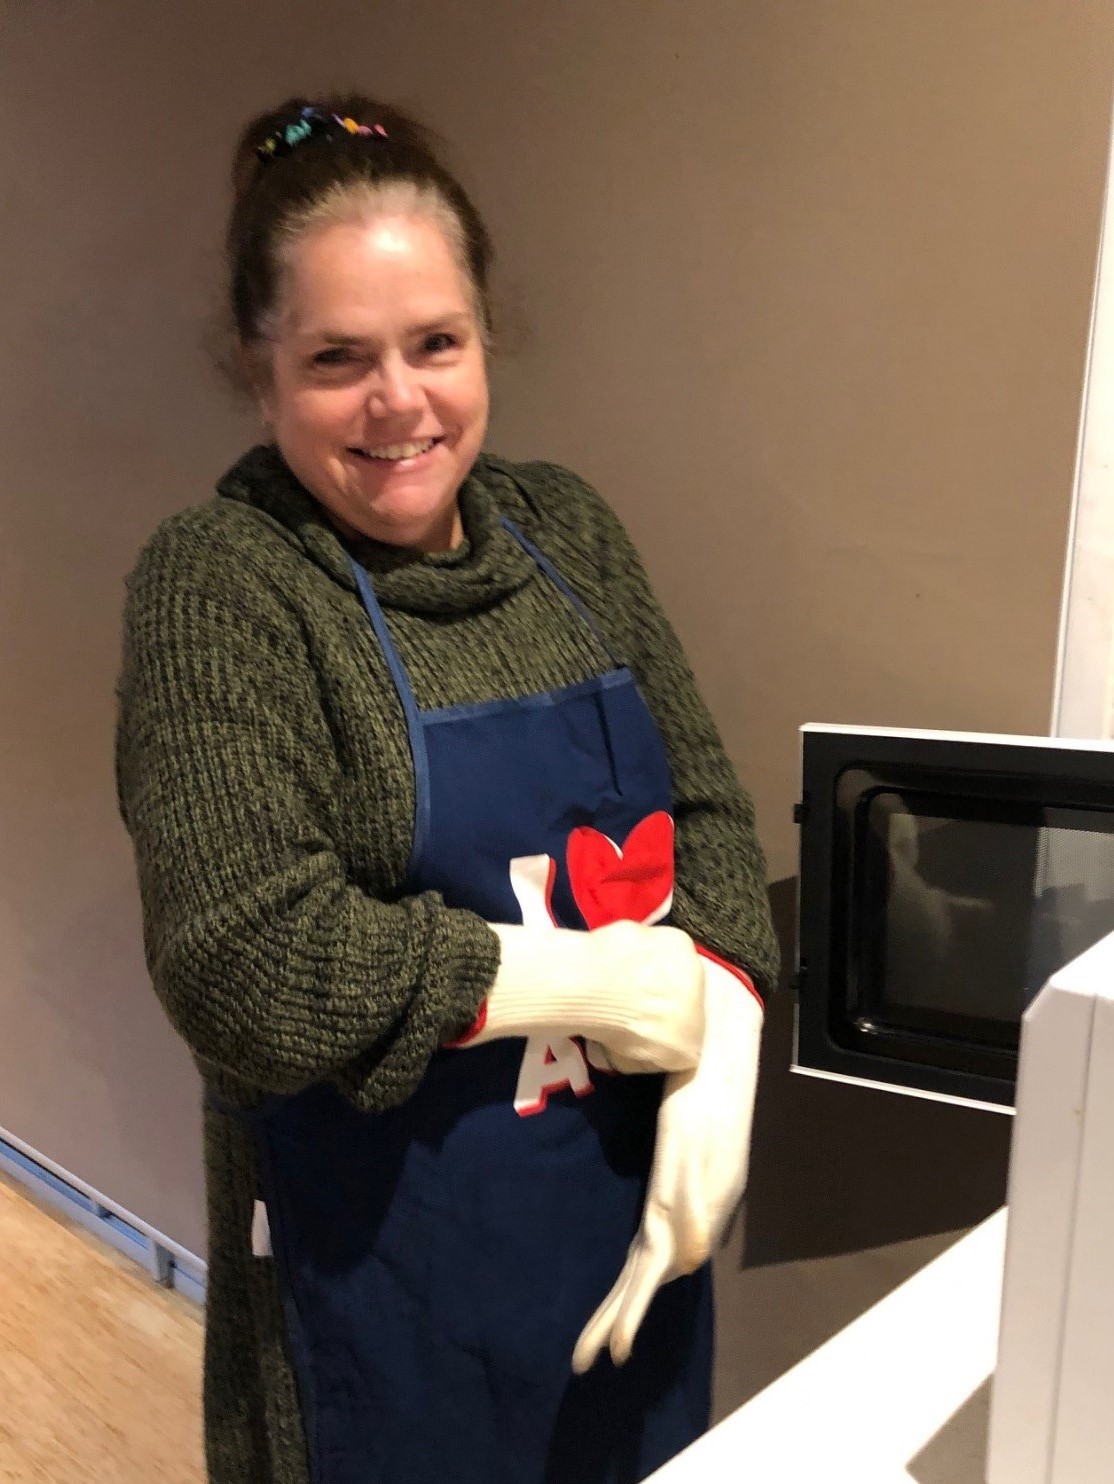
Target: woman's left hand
[(700, 1166)]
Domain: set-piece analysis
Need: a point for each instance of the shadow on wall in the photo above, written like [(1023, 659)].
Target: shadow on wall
[(838, 1168)]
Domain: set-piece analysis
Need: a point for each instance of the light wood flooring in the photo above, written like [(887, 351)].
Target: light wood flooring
[(100, 1369)]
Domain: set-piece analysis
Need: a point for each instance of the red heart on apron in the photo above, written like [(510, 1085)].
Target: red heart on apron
[(634, 883)]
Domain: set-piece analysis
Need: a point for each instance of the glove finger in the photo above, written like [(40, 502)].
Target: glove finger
[(688, 1203), (648, 1276), (595, 1333), (645, 1062), (694, 1230), (599, 1057)]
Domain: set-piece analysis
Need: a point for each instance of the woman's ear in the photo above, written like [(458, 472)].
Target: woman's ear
[(257, 380)]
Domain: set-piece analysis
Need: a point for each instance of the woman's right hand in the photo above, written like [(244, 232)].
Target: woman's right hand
[(636, 990)]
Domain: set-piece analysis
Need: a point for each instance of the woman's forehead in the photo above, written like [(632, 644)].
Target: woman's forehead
[(356, 252), (393, 266)]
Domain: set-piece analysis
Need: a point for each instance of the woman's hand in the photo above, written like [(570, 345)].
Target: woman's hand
[(699, 1170)]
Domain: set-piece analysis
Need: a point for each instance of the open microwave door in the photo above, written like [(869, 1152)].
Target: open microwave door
[(944, 877)]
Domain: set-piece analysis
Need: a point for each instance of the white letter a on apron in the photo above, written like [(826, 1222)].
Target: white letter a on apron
[(547, 1066)]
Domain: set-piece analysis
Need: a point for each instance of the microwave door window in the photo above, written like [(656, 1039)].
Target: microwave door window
[(1074, 897), (964, 911)]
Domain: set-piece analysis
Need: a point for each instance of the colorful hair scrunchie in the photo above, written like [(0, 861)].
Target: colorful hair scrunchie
[(313, 122)]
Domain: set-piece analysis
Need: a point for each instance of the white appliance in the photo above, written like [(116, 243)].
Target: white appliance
[(1052, 1414)]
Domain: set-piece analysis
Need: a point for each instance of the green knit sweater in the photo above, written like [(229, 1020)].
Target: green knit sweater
[(264, 775)]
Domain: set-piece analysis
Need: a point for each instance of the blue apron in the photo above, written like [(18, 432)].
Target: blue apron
[(436, 1262)]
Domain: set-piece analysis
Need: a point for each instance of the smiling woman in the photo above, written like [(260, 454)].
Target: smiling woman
[(442, 866)]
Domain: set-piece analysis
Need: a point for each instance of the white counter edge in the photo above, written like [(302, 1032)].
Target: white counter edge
[(864, 1404)]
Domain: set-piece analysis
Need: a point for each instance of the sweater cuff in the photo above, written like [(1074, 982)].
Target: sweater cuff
[(472, 1032), (738, 973)]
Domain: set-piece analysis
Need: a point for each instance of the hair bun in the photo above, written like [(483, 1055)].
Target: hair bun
[(277, 132)]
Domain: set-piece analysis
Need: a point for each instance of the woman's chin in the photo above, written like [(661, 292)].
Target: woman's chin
[(421, 523)]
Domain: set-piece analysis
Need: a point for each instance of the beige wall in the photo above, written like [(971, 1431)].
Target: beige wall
[(809, 287), (804, 289)]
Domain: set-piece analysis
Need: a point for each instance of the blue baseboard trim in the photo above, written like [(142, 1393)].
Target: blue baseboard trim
[(165, 1262)]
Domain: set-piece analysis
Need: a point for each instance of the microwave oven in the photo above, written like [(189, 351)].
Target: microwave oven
[(944, 876)]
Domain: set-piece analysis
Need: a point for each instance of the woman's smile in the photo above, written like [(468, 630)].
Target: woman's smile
[(405, 454)]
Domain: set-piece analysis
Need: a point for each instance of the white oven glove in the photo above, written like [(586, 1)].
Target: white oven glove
[(638, 991), (699, 1170)]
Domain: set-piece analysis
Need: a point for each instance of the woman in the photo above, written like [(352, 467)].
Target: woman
[(408, 830)]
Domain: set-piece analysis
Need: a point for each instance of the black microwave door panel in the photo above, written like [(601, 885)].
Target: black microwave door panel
[(943, 878)]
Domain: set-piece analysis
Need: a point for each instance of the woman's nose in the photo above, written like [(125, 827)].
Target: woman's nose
[(397, 388)]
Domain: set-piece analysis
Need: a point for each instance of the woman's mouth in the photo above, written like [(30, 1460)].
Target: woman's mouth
[(398, 453)]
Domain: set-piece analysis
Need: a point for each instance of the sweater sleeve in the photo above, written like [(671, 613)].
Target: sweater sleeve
[(720, 894), (272, 965)]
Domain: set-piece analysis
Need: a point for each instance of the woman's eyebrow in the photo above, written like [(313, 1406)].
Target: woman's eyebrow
[(433, 322), (450, 317)]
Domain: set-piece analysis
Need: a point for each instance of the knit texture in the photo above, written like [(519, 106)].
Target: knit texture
[(264, 774)]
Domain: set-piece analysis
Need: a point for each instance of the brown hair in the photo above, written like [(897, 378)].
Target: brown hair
[(330, 178)]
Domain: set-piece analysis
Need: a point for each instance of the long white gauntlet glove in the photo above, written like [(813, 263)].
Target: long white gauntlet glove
[(699, 1170), (638, 991)]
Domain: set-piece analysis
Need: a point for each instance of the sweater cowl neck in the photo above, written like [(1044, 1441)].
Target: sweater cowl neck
[(487, 566)]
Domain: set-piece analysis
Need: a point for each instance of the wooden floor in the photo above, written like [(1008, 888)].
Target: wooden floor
[(100, 1369)]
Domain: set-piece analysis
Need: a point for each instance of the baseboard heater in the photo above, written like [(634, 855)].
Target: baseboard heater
[(168, 1265)]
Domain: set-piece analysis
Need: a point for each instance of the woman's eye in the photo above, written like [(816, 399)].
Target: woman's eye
[(434, 344), (332, 357)]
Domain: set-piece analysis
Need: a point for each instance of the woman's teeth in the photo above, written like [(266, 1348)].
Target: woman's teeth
[(396, 451)]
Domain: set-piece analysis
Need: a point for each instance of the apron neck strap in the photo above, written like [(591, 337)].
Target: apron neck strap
[(560, 584)]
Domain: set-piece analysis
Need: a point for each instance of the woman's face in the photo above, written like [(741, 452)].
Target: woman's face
[(377, 391)]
